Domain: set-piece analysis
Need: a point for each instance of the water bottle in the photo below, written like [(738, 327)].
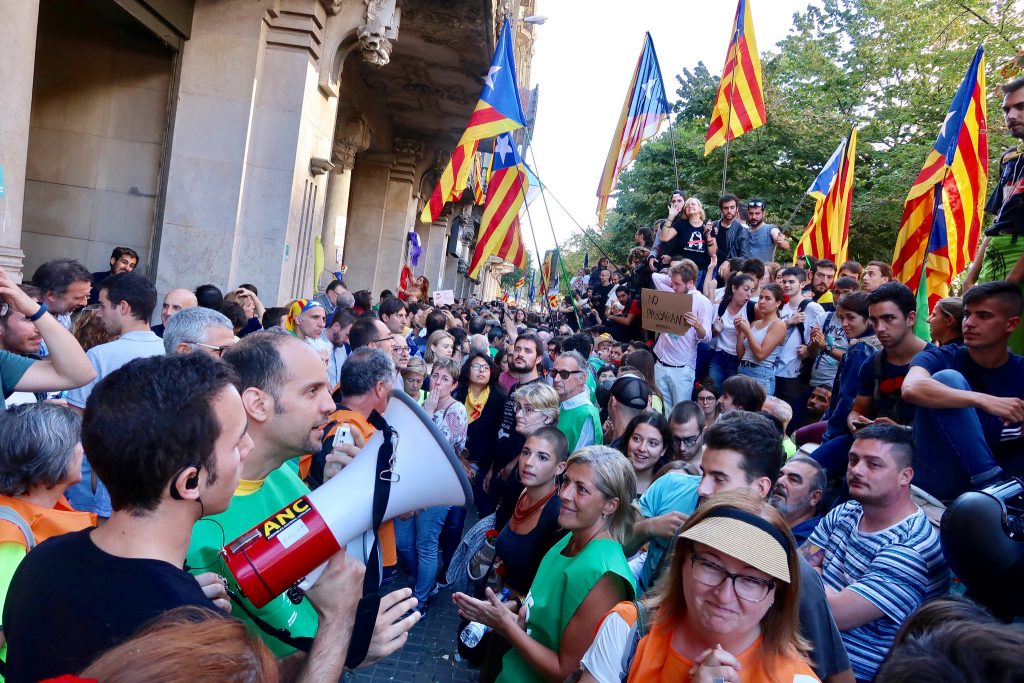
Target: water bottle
[(474, 631)]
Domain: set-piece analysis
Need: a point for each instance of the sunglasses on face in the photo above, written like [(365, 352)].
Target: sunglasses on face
[(566, 374)]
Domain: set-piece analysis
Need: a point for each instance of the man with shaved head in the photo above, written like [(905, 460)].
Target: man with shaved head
[(175, 300)]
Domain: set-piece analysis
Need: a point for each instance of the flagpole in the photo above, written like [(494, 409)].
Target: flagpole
[(558, 249), (793, 215), (732, 93), (675, 164), (533, 234)]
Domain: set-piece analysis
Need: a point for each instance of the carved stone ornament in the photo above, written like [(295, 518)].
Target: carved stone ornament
[(381, 27), (332, 7), (352, 138), (408, 147), (319, 166)]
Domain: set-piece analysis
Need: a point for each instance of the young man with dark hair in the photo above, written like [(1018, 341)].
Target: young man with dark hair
[(851, 269), (64, 286), (740, 392), (686, 422), (878, 554), (330, 298), (1001, 256), (732, 236), (122, 260), (126, 305), (892, 312), (765, 238), (338, 334), (743, 450), (823, 275), (395, 314), (676, 354), (970, 398), (876, 274)]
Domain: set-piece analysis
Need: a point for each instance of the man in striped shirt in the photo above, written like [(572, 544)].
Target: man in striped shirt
[(878, 554)]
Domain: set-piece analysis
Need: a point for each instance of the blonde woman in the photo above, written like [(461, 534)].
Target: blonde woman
[(440, 344), (582, 577), (251, 306), (536, 406), (688, 236)]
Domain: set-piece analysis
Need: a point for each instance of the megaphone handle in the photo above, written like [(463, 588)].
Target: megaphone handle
[(310, 578)]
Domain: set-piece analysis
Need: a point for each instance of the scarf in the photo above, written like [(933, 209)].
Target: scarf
[(295, 311), (475, 407)]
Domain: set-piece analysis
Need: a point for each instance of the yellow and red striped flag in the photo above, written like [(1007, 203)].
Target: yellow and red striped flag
[(828, 234), (477, 182), (642, 114), (943, 213), (499, 227), (499, 110), (739, 107)]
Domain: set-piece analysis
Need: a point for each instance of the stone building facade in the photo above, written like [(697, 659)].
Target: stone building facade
[(223, 139)]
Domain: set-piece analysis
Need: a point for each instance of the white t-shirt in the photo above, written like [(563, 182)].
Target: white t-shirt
[(788, 364), (603, 659)]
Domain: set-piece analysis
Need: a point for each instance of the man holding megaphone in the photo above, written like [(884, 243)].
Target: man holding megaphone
[(169, 438), (286, 397)]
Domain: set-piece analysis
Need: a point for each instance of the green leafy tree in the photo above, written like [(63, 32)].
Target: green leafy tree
[(890, 67)]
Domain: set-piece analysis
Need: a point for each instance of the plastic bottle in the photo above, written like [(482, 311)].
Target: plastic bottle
[(474, 631)]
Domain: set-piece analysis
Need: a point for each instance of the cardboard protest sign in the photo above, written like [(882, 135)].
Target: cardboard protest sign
[(664, 311), (444, 297)]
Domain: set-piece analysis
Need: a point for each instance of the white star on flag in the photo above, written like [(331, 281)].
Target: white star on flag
[(647, 88), (489, 81), (942, 129), (501, 147)]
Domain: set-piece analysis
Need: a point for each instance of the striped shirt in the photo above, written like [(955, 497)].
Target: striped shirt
[(896, 569)]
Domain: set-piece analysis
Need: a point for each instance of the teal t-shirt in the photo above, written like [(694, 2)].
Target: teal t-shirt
[(673, 492), (12, 369), (246, 511), (561, 585)]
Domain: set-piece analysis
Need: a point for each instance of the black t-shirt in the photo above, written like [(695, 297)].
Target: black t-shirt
[(509, 443), (69, 602), (1007, 200), (600, 297), (521, 554), (689, 243)]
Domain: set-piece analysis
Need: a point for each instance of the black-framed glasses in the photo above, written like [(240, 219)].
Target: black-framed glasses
[(383, 339), (688, 441), (401, 350), (706, 399), (748, 588), (216, 350), (477, 367), (566, 374)]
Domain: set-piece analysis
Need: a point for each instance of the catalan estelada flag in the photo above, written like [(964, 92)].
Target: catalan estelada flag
[(477, 180), (942, 215), (499, 110), (828, 234), (739, 106), (642, 114), (506, 191)]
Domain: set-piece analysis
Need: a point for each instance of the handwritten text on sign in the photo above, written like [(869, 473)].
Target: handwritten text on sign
[(664, 311)]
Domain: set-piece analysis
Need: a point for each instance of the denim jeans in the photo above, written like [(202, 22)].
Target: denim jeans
[(952, 454), (451, 534), (764, 376), (723, 366), (417, 540), (834, 455)]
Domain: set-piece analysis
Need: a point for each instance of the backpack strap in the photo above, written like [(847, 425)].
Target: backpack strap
[(640, 628), (9, 514), (800, 309)]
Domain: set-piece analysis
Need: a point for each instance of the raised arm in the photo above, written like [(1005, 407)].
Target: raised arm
[(67, 366)]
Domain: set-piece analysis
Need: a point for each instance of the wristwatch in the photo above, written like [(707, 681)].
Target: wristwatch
[(829, 348)]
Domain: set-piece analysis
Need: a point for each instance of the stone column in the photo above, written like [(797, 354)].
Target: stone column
[(434, 251), (399, 213), (369, 190), (353, 137), (17, 66)]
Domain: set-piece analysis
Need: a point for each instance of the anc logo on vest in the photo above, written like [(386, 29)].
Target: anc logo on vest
[(279, 521)]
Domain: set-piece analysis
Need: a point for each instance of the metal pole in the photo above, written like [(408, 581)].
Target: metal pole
[(732, 93), (675, 164)]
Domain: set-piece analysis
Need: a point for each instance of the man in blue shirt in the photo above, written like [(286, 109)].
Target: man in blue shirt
[(971, 399)]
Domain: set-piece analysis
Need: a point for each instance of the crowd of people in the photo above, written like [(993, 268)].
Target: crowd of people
[(738, 502)]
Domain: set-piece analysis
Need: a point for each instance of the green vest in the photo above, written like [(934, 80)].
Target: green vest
[(572, 419), (561, 585), (279, 489)]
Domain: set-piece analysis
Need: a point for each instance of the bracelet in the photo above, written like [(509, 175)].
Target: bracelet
[(38, 314)]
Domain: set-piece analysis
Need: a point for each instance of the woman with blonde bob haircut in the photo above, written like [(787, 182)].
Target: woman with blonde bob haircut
[(726, 609), (537, 406), (584, 575)]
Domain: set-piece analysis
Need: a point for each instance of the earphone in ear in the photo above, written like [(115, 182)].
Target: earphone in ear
[(191, 483)]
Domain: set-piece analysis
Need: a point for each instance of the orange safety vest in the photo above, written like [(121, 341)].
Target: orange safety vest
[(44, 522)]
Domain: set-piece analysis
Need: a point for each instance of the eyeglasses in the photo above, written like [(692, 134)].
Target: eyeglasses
[(528, 411), (566, 374), (747, 588), (217, 350), (401, 350), (383, 339), (479, 366), (706, 399), (688, 441)]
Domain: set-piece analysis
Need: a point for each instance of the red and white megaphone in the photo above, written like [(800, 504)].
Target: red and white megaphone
[(291, 545)]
